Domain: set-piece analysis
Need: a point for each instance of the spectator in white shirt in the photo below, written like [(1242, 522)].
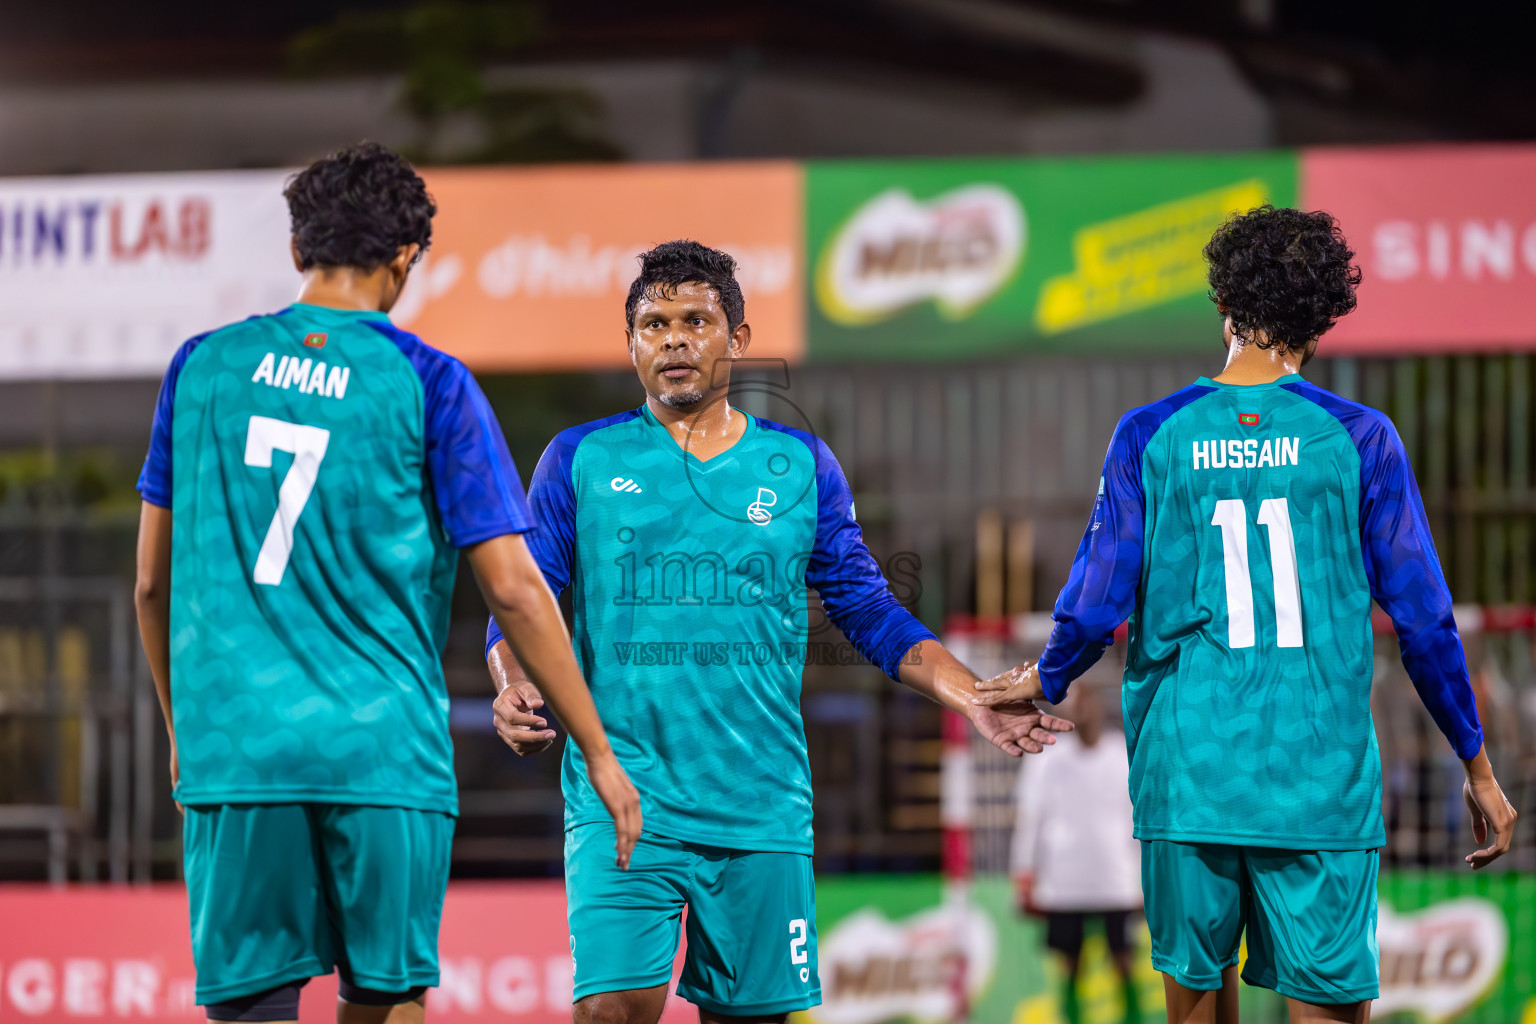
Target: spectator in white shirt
[(1074, 857)]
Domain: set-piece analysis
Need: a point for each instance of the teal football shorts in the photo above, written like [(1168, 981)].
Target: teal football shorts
[(280, 892), (751, 922), (1310, 917)]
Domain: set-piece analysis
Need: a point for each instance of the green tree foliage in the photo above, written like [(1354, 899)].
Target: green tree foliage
[(443, 49)]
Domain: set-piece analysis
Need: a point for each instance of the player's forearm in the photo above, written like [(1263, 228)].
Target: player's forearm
[(155, 632), (530, 621), (1479, 768), (1437, 666), (504, 666), (938, 675), (539, 650), (152, 601)]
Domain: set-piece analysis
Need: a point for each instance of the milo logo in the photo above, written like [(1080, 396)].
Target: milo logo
[(956, 249), (1441, 961)]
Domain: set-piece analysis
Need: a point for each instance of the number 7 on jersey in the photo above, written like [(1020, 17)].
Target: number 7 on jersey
[(307, 445)]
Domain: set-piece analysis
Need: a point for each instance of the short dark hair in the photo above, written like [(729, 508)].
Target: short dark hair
[(1284, 272), (357, 207), (671, 264)]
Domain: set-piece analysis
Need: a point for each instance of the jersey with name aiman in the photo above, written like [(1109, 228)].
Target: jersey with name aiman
[(1244, 530), (321, 467), (689, 583)]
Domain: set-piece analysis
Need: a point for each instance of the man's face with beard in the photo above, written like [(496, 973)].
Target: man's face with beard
[(682, 345)]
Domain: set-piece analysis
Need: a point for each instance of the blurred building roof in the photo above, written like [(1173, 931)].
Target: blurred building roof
[(92, 85)]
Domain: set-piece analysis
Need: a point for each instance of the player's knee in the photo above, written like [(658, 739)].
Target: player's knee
[(357, 995), (616, 1008), (280, 1003)]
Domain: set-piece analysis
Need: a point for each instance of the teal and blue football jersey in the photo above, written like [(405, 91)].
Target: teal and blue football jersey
[(1244, 531), (689, 582), (322, 467)]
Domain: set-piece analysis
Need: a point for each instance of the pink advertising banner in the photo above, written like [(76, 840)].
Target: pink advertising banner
[(1446, 238), (124, 954)]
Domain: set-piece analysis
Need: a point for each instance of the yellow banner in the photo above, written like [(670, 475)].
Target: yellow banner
[(1142, 259)]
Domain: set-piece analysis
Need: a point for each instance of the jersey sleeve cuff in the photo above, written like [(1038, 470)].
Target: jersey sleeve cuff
[(902, 642), (1053, 685), (1468, 744), (154, 496), (471, 538)]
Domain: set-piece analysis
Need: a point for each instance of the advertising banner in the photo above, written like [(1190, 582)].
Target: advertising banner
[(529, 268), (123, 954), (952, 260), (1446, 240), (106, 276), (936, 260), (1455, 947)]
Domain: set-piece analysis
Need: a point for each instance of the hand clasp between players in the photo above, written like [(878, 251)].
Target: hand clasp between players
[(1018, 685), (1006, 714)]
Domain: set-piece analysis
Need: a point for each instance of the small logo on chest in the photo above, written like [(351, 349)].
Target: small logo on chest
[(758, 512), (624, 486)]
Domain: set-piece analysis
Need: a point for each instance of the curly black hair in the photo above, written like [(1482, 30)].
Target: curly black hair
[(1285, 273), (670, 264), (357, 207)]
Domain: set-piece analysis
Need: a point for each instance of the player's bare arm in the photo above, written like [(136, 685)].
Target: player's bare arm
[(152, 599), (1019, 727), (528, 615)]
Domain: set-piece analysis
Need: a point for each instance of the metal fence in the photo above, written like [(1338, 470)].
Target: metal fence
[(978, 477)]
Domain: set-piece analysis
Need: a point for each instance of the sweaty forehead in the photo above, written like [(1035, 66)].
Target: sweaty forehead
[(690, 294)]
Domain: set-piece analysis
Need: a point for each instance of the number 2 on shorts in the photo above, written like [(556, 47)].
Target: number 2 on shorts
[(797, 951), (307, 445)]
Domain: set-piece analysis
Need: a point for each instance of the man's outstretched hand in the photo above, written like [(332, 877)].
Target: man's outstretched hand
[(1004, 711), (1017, 728)]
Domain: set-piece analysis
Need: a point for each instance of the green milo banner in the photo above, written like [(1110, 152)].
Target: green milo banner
[(1455, 947), (944, 259)]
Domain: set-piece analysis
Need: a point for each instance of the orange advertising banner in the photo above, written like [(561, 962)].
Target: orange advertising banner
[(529, 268)]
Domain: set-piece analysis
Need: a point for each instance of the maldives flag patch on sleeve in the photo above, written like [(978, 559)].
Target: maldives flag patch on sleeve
[(1248, 419)]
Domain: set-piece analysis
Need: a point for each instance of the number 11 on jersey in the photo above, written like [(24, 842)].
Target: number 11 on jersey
[(1275, 513)]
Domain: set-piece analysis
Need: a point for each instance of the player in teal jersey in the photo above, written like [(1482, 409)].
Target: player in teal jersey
[(1243, 525), (311, 479), (688, 533)]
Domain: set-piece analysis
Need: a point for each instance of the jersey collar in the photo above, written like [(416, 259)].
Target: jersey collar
[(323, 312), (665, 438), (1290, 378)]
